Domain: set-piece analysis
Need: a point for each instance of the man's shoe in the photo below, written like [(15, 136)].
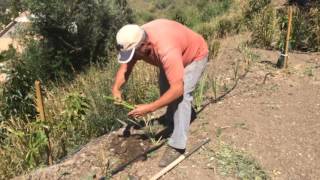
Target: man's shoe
[(170, 155)]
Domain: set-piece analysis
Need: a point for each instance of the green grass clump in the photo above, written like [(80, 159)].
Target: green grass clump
[(231, 162)]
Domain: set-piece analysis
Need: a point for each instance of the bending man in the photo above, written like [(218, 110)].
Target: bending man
[(181, 55)]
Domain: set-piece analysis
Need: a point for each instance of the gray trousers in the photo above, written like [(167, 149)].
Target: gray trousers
[(180, 110)]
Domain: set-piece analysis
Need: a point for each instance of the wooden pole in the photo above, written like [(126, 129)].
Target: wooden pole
[(180, 159), (40, 110), (288, 37), (39, 101)]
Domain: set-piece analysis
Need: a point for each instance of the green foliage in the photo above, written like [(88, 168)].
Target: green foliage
[(213, 9), (65, 37), (162, 4), (23, 146), (17, 97), (145, 16), (9, 9), (77, 33), (231, 162), (265, 30), (306, 30), (207, 30), (255, 7), (269, 27), (76, 106), (214, 48), (8, 54), (69, 35), (199, 93)]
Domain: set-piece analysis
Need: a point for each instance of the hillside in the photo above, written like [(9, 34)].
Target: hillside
[(262, 121)]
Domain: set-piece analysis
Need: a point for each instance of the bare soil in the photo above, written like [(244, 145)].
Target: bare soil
[(272, 116)]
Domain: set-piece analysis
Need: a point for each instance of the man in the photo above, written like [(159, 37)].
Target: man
[(181, 55)]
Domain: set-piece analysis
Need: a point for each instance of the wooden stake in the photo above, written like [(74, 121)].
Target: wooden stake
[(288, 37), (39, 101), (180, 159), (40, 110)]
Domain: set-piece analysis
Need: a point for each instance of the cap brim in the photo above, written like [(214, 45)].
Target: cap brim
[(126, 56)]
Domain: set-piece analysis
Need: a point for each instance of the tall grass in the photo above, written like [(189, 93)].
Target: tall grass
[(269, 27), (75, 112)]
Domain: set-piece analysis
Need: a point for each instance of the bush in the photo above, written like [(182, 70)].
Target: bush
[(306, 32), (269, 28), (66, 36), (17, 97), (265, 28), (214, 9), (9, 9), (255, 7), (80, 32)]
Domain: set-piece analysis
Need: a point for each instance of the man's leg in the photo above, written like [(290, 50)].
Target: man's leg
[(172, 107), (182, 115)]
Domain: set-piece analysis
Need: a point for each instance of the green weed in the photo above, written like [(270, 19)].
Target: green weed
[(231, 162), (309, 71), (199, 93)]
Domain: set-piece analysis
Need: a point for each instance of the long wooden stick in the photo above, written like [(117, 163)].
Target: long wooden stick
[(180, 159), (40, 110), (288, 37)]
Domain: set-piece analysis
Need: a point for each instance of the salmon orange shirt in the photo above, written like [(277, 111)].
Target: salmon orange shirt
[(175, 46)]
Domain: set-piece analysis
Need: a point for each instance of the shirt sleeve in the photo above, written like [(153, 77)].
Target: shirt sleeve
[(173, 66)]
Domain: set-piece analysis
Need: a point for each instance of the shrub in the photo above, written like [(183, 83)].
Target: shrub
[(269, 28), (214, 9), (162, 4), (306, 32), (17, 99), (68, 37), (207, 30), (265, 28), (255, 7), (80, 32)]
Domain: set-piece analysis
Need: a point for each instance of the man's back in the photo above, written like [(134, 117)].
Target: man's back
[(169, 36)]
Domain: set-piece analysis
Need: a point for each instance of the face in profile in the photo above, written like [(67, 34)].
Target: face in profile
[(143, 51)]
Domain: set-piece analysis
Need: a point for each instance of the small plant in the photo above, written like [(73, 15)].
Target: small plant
[(121, 102), (214, 49), (309, 71), (148, 127), (199, 93), (25, 144)]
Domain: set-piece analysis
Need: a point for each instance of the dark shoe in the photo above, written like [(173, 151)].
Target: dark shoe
[(169, 156)]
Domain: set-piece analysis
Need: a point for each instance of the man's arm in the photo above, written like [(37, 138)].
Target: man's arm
[(121, 78), (173, 93)]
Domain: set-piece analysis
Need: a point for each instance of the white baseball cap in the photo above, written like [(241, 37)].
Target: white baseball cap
[(129, 38)]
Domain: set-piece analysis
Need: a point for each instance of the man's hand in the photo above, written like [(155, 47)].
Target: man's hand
[(117, 95), (141, 110)]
